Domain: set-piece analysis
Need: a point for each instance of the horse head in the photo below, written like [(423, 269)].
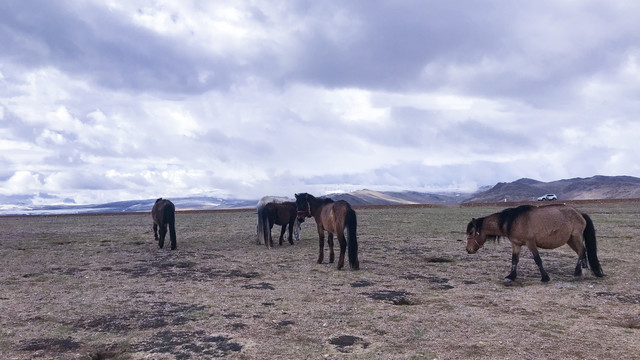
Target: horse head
[(475, 238), (303, 207)]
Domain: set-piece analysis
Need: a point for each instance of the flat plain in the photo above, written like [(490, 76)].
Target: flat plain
[(98, 287)]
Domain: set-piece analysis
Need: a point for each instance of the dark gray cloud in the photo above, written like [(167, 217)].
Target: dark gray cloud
[(111, 101)]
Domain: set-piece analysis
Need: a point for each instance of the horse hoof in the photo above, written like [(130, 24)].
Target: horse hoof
[(545, 280)]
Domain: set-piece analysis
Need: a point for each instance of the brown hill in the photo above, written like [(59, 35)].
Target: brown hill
[(592, 188)]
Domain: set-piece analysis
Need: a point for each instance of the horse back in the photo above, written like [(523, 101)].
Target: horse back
[(163, 211), (549, 226)]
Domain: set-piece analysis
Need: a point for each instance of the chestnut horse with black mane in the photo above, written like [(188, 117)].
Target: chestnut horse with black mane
[(546, 227), (332, 217), (163, 214)]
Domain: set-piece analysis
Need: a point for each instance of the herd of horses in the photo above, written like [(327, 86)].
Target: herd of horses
[(546, 227)]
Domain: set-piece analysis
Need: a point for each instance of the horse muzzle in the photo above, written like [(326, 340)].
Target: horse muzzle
[(472, 245)]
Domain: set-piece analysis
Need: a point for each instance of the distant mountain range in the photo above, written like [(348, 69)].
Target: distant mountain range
[(596, 187)]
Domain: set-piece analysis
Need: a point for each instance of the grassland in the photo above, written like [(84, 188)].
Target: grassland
[(98, 287)]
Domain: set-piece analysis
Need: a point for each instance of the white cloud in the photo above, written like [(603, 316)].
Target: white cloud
[(109, 101)]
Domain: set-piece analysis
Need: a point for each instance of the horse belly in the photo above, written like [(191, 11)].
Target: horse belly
[(553, 231)]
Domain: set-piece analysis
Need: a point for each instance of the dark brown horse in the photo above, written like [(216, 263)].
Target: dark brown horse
[(279, 214), (260, 226), (163, 214), (546, 227), (332, 217)]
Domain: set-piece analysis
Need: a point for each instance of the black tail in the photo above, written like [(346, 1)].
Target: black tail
[(170, 218), (352, 245), (589, 236)]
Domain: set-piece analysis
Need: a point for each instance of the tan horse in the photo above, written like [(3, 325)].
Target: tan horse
[(332, 217), (546, 227)]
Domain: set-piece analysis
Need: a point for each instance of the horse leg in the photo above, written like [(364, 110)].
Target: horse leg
[(332, 256), (343, 249), (578, 247), (538, 260), (284, 227), (155, 231), (321, 245), (270, 238), (163, 233), (515, 257), (291, 225)]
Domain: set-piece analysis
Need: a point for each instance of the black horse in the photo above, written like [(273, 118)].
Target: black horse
[(163, 214), (278, 214)]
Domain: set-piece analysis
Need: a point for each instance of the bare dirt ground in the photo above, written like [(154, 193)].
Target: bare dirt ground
[(98, 287)]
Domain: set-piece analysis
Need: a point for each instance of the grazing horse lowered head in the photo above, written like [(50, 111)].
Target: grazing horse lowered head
[(164, 214), (546, 227), (332, 217)]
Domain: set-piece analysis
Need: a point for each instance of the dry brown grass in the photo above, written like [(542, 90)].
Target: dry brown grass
[(97, 287)]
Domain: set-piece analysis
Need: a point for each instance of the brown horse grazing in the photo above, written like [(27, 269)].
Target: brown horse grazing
[(279, 214), (332, 217), (163, 214), (546, 227)]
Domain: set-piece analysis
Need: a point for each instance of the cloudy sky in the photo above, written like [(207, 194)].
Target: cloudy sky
[(117, 100)]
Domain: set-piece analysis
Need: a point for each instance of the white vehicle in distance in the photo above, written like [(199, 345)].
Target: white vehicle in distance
[(548, 197)]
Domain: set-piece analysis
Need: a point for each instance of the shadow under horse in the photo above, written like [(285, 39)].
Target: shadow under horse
[(164, 214), (278, 214), (332, 217), (546, 227)]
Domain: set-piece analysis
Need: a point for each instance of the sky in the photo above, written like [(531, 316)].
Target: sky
[(121, 100)]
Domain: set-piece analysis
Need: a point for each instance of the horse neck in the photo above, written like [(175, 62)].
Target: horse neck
[(315, 205), (490, 226)]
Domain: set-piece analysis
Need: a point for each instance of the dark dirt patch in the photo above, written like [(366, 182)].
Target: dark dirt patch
[(630, 322), (262, 285), (184, 271), (343, 342), (67, 271), (231, 316), (50, 344), (395, 297), (160, 315), (284, 323), (238, 326), (440, 282), (438, 260), (623, 298), (361, 283), (186, 344)]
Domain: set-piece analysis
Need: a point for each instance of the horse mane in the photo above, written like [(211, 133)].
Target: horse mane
[(508, 216), (320, 201), (158, 199), (477, 223)]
